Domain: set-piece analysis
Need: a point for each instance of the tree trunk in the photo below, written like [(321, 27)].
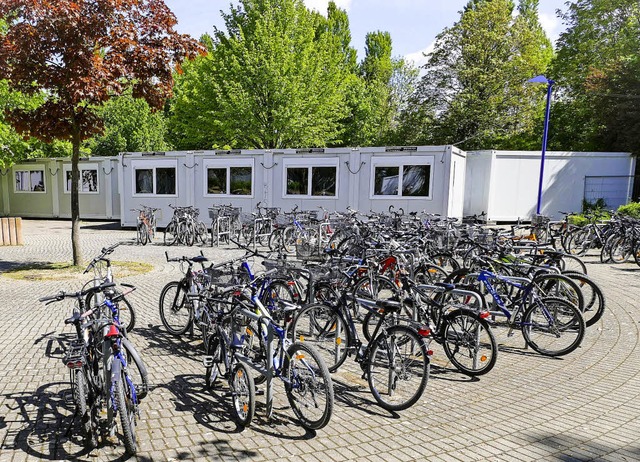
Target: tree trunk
[(75, 202)]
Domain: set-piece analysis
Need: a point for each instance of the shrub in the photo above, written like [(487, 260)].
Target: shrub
[(632, 209)]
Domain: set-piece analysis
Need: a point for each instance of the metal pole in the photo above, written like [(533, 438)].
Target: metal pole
[(544, 143)]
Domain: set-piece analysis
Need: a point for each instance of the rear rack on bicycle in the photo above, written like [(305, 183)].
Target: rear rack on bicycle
[(75, 355)]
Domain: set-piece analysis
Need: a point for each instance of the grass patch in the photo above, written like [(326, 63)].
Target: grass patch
[(48, 271)]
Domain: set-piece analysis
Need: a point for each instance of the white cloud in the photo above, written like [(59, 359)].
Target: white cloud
[(551, 25), (418, 58), (321, 5)]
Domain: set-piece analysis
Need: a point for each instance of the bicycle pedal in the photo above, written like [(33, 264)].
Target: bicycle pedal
[(259, 392), (207, 361)]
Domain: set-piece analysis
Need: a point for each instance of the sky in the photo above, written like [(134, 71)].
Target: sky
[(413, 24)]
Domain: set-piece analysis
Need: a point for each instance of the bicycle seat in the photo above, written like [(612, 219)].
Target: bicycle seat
[(199, 259), (73, 319), (445, 286)]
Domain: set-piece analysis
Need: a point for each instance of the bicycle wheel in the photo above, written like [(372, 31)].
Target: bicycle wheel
[(170, 234), (136, 370), (143, 233), (323, 327), (187, 233), (289, 239), (429, 274), (272, 295), (397, 368), (176, 311), (212, 368), (309, 386), (80, 394), (323, 292), (572, 264), (579, 242), (243, 395), (126, 408), (594, 301), (552, 326), (559, 286), (372, 288), (468, 342), (126, 313), (445, 261)]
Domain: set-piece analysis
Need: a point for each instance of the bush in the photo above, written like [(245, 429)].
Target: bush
[(632, 209)]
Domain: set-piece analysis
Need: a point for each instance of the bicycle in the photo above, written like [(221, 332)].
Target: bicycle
[(552, 326), (395, 362), (99, 361), (307, 381), (145, 224)]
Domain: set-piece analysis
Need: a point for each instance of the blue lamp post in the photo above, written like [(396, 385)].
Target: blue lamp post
[(549, 82)]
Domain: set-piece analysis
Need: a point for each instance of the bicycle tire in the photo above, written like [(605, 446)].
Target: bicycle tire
[(278, 290), (572, 264), (594, 299), (136, 369), (392, 390), (175, 310), (374, 288), (559, 286), (429, 274), (469, 343), (80, 394), (566, 318), (323, 292), (126, 313), (214, 349), (309, 386), (170, 234), (126, 412), (143, 234), (289, 240), (323, 327), (243, 395)]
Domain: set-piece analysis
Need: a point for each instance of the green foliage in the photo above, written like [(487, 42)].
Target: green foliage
[(596, 66), (598, 206), (278, 76), (473, 90), (129, 126), (632, 209)]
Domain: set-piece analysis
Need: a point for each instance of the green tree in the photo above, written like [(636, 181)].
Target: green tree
[(595, 69), (473, 89), (129, 126), (278, 75), (194, 121)]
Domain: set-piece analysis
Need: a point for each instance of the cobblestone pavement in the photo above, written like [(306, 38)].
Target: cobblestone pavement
[(585, 406)]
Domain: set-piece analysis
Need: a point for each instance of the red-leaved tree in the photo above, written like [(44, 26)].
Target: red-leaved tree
[(77, 55)]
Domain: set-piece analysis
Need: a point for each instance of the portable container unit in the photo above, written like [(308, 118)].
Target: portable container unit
[(41, 188), (414, 178), (504, 184)]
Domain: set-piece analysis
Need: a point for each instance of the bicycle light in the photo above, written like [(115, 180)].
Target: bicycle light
[(485, 314), (75, 364), (424, 332)]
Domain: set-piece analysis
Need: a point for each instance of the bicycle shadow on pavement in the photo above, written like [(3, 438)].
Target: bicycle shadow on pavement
[(356, 394), (161, 342), (571, 448), (212, 410), (41, 423)]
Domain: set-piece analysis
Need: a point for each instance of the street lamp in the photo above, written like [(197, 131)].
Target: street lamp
[(549, 82)]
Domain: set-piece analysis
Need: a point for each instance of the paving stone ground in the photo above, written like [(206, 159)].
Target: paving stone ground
[(585, 406)]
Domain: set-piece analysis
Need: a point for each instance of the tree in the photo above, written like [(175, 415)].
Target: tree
[(593, 69), (473, 89), (194, 122), (278, 76), (129, 126), (79, 54)]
